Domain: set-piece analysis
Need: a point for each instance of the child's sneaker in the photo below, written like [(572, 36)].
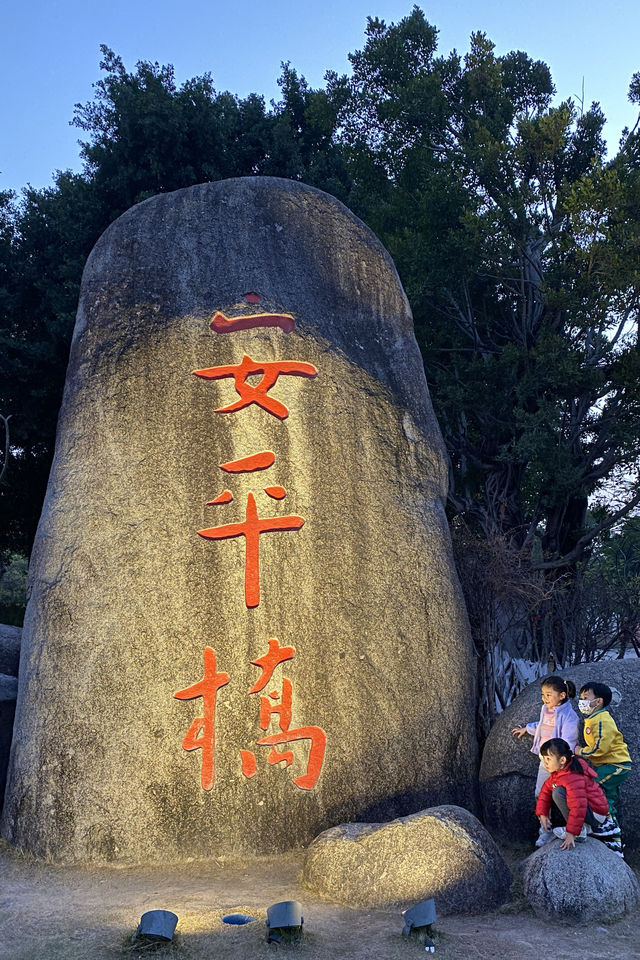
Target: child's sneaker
[(605, 829), (561, 833), (544, 836), (615, 846)]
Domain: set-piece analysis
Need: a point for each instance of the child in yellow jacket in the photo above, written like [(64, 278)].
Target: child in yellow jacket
[(606, 751)]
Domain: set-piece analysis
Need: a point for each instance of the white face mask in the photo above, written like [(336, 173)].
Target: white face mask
[(584, 706)]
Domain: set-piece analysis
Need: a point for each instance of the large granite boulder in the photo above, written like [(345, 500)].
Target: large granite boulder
[(10, 639), (8, 694), (159, 717), (587, 884), (444, 853), (508, 771)]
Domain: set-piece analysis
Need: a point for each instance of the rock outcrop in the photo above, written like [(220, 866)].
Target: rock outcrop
[(587, 884), (293, 488), (444, 853), (8, 694), (10, 640)]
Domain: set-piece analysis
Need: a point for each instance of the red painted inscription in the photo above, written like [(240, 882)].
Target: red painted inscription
[(201, 734), (251, 529), (259, 394), (223, 324), (276, 493), (269, 661), (257, 461), (225, 497), (278, 703), (282, 708)]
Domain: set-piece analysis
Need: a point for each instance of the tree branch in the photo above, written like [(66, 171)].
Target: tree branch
[(5, 459), (588, 538)]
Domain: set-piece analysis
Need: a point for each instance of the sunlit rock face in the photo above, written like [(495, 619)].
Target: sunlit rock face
[(245, 625), (442, 853)]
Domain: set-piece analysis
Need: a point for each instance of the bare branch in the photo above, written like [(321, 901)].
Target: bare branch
[(574, 555), (5, 456)]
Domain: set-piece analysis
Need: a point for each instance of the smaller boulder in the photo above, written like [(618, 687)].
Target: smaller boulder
[(587, 884), (8, 696), (442, 852), (10, 639)]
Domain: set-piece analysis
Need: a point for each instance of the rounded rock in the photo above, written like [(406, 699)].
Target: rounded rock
[(586, 884), (141, 569), (442, 853)]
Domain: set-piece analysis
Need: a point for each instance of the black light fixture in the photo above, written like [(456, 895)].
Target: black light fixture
[(156, 925), (284, 922), (418, 921)]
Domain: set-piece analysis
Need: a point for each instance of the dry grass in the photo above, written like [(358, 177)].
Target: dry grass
[(56, 913)]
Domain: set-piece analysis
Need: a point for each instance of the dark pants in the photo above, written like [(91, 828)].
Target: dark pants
[(611, 776), (559, 797)]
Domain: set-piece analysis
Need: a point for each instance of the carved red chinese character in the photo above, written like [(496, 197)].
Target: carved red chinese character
[(316, 753), (224, 324), (201, 733), (269, 661), (259, 393), (280, 704), (251, 529)]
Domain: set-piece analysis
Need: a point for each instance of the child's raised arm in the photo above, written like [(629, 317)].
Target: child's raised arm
[(529, 728)]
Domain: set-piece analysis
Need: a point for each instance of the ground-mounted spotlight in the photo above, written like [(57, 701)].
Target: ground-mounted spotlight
[(156, 925), (284, 922), (418, 921), (238, 919)]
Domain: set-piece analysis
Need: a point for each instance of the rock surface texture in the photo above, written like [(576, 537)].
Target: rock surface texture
[(443, 852), (8, 694), (10, 639), (508, 770), (588, 884), (147, 552)]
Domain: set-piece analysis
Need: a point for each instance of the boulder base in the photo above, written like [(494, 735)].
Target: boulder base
[(442, 852), (587, 884)]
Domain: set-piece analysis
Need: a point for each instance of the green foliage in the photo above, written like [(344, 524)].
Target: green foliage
[(518, 244), (144, 135), (13, 588)]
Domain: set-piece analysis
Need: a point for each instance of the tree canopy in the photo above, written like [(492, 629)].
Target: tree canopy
[(516, 235)]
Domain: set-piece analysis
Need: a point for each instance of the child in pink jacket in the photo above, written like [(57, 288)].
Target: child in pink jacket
[(557, 719)]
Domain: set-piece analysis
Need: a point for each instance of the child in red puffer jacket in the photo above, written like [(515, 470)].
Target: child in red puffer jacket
[(573, 788)]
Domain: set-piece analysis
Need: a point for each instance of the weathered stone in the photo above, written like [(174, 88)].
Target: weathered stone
[(125, 595), (508, 770), (587, 884), (10, 638), (444, 853), (8, 694)]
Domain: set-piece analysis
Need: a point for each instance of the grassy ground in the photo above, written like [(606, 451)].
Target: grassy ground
[(64, 913)]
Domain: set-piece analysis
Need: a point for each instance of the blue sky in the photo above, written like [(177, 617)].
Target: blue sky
[(49, 53)]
